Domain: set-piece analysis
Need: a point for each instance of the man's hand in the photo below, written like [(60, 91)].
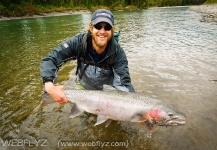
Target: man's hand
[(56, 92)]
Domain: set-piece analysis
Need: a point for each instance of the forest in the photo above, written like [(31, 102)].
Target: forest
[(9, 8)]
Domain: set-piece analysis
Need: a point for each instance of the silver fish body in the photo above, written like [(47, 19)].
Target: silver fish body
[(124, 106)]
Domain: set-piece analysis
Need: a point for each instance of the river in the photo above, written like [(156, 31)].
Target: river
[(172, 56)]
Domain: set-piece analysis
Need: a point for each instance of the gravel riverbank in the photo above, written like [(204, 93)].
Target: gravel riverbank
[(64, 13), (209, 12)]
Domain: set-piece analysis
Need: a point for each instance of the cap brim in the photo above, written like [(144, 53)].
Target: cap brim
[(102, 19)]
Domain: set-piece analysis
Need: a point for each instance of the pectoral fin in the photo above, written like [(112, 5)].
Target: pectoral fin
[(138, 118), (108, 122), (149, 126), (100, 120), (76, 111)]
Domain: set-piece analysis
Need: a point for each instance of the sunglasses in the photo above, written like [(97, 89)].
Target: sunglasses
[(107, 27)]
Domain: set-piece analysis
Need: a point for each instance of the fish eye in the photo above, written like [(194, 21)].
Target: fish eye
[(170, 114)]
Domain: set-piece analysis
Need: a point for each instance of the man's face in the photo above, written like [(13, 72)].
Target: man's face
[(101, 34)]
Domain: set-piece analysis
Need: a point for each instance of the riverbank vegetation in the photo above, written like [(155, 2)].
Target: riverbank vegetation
[(16, 8), (211, 2)]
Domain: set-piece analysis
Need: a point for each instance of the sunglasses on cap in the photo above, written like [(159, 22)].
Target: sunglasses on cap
[(107, 27)]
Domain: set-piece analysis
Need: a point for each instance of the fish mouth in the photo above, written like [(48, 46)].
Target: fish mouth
[(176, 122), (173, 122)]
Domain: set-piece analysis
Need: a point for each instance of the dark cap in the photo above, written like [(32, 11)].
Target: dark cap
[(103, 15)]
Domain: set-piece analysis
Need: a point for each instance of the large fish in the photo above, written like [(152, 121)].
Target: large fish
[(124, 106)]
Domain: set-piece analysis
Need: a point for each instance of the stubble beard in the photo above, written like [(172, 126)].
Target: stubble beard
[(100, 44)]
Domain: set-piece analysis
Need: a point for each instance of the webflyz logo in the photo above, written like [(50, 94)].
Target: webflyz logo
[(103, 14), (23, 142)]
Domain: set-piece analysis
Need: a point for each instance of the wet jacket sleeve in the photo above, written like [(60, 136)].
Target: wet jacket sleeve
[(122, 80), (58, 56)]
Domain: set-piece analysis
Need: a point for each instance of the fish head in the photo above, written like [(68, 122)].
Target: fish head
[(165, 115)]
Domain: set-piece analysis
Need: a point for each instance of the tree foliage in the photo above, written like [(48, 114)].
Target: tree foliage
[(30, 7), (211, 2)]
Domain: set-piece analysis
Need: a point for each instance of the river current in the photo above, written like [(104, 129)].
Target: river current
[(172, 56)]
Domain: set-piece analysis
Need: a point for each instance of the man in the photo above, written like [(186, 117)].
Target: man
[(100, 59)]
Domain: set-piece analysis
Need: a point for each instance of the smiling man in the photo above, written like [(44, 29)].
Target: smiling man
[(100, 59)]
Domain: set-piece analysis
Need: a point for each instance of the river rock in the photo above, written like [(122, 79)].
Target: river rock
[(209, 12)]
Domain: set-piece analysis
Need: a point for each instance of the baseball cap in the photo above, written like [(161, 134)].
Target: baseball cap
[(103, 15)]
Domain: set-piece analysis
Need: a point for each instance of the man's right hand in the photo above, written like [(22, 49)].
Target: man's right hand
[(56, 92)]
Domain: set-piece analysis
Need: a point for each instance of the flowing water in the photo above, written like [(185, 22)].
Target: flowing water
[(172, 56)]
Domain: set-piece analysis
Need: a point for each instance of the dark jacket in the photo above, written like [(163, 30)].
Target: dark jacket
[(111, 70)]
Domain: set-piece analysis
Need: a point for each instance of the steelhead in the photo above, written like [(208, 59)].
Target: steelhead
[(124, 106)]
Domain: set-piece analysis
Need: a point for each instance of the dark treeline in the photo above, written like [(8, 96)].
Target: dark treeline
[(31, 7)]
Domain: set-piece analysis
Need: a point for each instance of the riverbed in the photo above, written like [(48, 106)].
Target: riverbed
[(172, 57)]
